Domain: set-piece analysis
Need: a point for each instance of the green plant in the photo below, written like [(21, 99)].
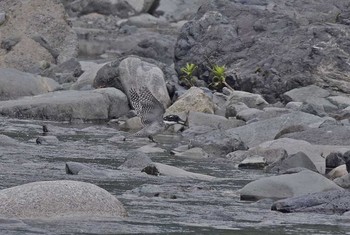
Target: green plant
[(188, 74), (219, 77)]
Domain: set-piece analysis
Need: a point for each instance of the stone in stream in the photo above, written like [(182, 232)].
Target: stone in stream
[(64, 198), (330, 202), (289, 185)]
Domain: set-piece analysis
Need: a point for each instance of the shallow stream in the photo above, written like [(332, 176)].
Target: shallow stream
[(157, 205)]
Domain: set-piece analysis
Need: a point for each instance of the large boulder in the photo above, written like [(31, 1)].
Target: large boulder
[(178, 10), (331, 202), (289, 185), (212, 120), (100, 104), (50, 199), (135, 73), (298, 159), (35, 31), (195, 99), (14, 84), (254, 41), (258, 132)]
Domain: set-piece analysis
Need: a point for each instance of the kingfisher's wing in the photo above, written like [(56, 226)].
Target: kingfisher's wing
[(148, 108)]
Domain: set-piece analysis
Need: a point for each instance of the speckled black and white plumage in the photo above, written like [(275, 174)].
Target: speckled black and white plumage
[(150, 110)]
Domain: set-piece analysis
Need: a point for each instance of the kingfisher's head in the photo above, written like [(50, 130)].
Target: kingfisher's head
[(173, 119)]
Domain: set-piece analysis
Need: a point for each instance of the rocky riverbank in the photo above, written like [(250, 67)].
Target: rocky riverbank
[(279, 107)]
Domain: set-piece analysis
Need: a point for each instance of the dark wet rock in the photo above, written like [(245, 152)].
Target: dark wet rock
[(255, 44), (253, 162), (267, 129), (334, 159), (14, 84), (43, 33), (217, 143), (346, 157), (49, 199), (151, 170), (211, 120), (136, 160), (298, 159), (108, 76), (329, 135), (330, 202), (284, 186), (100, 104), (194, 99), (68, 71)]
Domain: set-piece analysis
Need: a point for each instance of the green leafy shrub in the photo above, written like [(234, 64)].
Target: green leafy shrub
[(219, 77), (188, 74)]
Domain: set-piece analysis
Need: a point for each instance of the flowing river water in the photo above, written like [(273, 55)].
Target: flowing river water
[(157, 205)]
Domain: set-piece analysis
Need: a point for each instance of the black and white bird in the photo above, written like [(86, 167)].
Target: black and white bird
[(151, 112)]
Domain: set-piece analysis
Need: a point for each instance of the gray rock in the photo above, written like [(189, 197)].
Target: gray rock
[(137, 73), (50, 199), (193, 100), (8, 141), (14, 84), (73, 168), (294, 105), (68, 71), (343, 181), (121, 8), (330, 135), (192, 153), (172, 171), (284, 186), (217, 143), (253, 162), (2, 17), (270, 155), (313, 109), (331, 202), (250, 99), (334, 159), (340, 101), (46, 37), (259, 51), (100, 104), (151, 148), (298, 159), (290, 129), (136, 161), (49, 140), (316, 153), (233, 108), (86, 80), (255, 133), (248, 114), (337, 172), (211, 120), (177, 10), (314, 98)]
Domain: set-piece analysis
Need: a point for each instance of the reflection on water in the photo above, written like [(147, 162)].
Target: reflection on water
[(157, 205)]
